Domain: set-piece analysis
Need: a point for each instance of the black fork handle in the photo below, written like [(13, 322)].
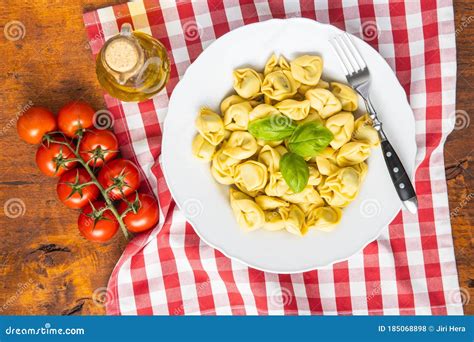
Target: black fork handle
[(400, 178)]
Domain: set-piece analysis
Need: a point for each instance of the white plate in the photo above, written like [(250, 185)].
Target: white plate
[(205, 203)]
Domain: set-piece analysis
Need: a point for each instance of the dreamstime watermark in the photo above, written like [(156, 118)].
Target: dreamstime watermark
[(22, 287), (97, 36), (200, 289), (280, 121), (375, 292), (369, 31), (462, 296), (14, 30), (461, 119), (14, 208), (47, 329), (192, 31), (465, 22), (370, 208), (192, 208), (280, 297), (102, 296), (295, 14), (462, 204), (12, 122), (103, 119)]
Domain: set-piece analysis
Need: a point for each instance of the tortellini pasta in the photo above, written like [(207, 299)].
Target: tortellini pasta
[(341, 188), (261, 111), (241, 145), (294, 219), (251, 177), (274, 220), (260, 197), (365, 132), (270, 203), (314, 176), (307, 69), (352, 153), (222, 167), (362, 168), (309, 194), (346, 95), (323, 218), (210, 126), (326, 161), (236, 117), (341, 125), (323, 101), (229, 101), (247, 82), (279, 85), (296, 110), (275, 64), (313, 116), (271, 157), (248, 214), (271, 65), (202, 149), (276, 185)]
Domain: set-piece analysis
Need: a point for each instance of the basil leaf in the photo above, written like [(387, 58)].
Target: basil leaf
[(295, 171), (309, 139), (274, 127)]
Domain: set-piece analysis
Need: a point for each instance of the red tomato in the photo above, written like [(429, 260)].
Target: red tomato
[(121, 176), (144, 212), (51, 156), (34, 123), (97, 225), (71, 190), (75, 116), (98, 146)]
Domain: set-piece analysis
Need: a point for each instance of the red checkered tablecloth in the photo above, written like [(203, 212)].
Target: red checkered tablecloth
[(410, 269)]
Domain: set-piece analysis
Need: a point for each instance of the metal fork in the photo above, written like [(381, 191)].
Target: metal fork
[(358, 76)]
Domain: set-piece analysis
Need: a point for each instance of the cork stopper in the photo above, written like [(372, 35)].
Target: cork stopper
[(122, 55)]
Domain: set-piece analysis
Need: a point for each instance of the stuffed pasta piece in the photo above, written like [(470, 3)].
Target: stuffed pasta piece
[(247, 83), (324, 102), (341, 126), (346, 95), (210, 126), (279, 85), (251, 177), (307, 69), (341, 188), (365, 132), (248, 214)]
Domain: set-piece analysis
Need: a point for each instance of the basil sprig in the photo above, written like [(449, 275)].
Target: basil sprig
[(295, 171), (305, 141), (274, 127), (309, 139)]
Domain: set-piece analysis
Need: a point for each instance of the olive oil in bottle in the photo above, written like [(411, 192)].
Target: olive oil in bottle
[(132, 66)]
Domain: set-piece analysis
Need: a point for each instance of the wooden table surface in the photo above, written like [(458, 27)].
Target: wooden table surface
[(45, 266)]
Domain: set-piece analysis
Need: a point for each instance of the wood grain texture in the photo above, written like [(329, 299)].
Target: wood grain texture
[(45, 266)]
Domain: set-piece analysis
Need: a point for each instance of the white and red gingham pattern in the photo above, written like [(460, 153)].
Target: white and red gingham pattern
[(410, 269)]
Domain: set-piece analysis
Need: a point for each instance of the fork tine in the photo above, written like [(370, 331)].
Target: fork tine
[(348, 53), (357, 56), (344, 38), (341, 56)]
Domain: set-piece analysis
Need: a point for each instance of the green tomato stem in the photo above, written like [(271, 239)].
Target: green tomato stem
[(110, 205), (104, 192)]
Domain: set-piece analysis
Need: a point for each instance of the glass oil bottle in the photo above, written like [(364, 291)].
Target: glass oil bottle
[(132, 66)]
